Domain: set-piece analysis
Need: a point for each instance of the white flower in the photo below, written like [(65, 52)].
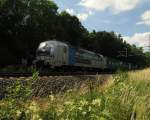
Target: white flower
[(69, 103), (90, 108), (33, 107), (69, 90), (80, 108), (51, 97), (27, 111), (83, 102), (96, 102), (36, 117), (18, 112), (84, 113)]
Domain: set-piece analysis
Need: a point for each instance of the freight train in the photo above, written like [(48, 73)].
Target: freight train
[(56, 54)]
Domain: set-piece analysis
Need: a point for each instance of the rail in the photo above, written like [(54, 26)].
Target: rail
[(28, 74)]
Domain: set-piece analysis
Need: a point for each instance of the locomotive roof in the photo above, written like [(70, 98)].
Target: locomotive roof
[(90, 52), (55, 42)]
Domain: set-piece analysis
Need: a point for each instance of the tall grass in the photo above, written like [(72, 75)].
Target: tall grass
[(126, 96)]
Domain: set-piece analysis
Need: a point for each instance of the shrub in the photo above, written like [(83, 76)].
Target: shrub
[(18, 94)]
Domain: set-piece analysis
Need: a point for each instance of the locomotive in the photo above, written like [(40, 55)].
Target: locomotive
[(56, 54)]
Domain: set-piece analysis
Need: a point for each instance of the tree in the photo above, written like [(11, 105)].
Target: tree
[(147, 54), (73, 31), (24, 24)]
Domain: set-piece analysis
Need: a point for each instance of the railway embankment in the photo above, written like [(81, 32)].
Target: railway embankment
[(46, 85), (125, 96)]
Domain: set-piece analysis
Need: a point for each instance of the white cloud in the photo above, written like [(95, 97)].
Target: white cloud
[(70, 11), (145, 18), (81, 16), (139, 39), (96, 4), (116, 5)]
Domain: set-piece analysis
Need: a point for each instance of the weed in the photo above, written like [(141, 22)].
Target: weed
[(126, 98)]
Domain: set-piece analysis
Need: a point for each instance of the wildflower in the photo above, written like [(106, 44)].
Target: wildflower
[(84, 113), (80, 108), (34, 111), (33, 107), (18, 112), (69, 90), (96, 102), (51, 97), (83, 102), (69, 103), (36, 117), (27, 111), (90, 108)]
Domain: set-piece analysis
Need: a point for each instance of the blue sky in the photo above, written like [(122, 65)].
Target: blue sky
[(130, 18)]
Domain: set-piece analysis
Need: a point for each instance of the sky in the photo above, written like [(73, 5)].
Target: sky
[(130, 18)]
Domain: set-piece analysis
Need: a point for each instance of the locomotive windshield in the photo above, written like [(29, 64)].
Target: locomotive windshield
[(45, 49)]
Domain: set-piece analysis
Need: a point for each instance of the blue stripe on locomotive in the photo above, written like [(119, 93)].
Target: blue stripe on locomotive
[(72, 54)]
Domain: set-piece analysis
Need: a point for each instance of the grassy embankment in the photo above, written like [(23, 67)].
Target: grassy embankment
[(125, 96)]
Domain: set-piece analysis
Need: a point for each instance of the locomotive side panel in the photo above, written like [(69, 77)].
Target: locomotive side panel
[(72, 56), (89, 59), (61, 55), (83, 58)]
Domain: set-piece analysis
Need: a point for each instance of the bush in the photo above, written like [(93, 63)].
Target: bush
[(18, 94)]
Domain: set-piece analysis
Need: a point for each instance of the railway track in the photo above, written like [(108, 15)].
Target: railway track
[(55, 73), (46, 85)]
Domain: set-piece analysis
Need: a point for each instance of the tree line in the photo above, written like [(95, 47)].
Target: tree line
[(26, 23)]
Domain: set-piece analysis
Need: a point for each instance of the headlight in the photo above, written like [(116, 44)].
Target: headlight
[(42, 45)]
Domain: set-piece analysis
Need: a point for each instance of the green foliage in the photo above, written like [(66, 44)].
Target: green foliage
[(80, 108), (18, 94), (147, 54), (128, 98), (24, 24), (123, 100), (85, 109), (51, 113)]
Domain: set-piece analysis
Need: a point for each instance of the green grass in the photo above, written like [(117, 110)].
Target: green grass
[(124, 97)]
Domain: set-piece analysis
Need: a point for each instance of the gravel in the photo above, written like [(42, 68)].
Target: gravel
[(47, 85)]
